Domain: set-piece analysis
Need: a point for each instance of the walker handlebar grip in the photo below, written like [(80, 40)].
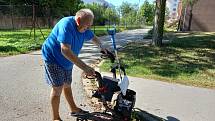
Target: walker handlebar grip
[(98, 77), (109, 55)]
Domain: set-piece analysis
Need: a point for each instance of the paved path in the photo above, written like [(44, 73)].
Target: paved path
[(24, 96), (173, 102)]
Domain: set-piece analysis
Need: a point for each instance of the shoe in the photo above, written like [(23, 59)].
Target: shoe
[(81, 112)]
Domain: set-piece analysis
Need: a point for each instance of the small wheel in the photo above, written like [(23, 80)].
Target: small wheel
[(80, 119)]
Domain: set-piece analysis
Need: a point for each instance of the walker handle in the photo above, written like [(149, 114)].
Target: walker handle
[(98, 78)]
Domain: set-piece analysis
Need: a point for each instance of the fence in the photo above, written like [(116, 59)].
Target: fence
[(21, 16)]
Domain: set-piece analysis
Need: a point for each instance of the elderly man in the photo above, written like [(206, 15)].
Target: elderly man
[(60, 52)]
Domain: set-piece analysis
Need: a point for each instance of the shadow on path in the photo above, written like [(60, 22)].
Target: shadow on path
[(141, 115), (137, 115), (95, 116)]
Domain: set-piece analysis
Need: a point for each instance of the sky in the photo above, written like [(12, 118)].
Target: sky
[(119, 2)]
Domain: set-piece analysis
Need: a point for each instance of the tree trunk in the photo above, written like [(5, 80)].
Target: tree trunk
[(159, 22), (12, 16), (49, 18), (179, 24), (190, 19)]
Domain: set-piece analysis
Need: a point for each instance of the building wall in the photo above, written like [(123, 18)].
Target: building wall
[(173, 6), (203, 16)]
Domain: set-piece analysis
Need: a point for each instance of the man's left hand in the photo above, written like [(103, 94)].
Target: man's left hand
[(104, 50)]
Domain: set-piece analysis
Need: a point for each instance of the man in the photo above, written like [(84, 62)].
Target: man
[(60, 52)]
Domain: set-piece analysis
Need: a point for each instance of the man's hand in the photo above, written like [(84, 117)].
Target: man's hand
[(104, 50), (66, 51), (89, 71)]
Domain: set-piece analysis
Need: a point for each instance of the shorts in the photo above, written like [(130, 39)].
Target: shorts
[(56, 76)]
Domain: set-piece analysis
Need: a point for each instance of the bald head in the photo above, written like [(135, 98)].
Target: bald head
[(85, 14), (84, 19)]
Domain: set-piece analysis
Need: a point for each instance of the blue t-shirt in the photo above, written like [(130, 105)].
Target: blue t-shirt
[(65, 31)]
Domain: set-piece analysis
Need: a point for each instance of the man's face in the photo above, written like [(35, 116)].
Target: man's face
[(84, 24)]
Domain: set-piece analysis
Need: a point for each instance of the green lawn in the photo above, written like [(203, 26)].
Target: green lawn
[(14, 42), (102, 30), (189, 59), (20, 41)]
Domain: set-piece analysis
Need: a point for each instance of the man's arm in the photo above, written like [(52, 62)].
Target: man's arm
[(66, 51), (97, 42)]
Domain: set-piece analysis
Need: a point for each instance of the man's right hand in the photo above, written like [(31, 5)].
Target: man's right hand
[(89, 71), (66, 51)]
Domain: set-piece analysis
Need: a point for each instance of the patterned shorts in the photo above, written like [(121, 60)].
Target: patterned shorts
[(56, 76)]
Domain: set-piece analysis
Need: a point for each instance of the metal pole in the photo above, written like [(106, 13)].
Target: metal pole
[(34, 19), (112, 32)]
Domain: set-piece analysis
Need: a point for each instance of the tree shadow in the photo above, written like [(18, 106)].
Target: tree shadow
[(171, 59), (137, 115), (15, 37), (96, 116), (141, 115), (8, 48)]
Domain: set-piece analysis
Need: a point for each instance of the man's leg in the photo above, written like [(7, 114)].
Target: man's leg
[(69, 97), (55, 102)]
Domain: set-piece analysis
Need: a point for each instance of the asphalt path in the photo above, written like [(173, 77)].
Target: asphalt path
[(24, 95)]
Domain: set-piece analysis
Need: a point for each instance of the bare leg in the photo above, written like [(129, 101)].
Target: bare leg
[(55, 102), (69, 97)]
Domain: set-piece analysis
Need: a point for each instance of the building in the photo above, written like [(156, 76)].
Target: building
[(172, 6), (200, 18)]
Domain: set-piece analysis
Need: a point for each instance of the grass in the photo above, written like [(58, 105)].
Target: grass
[(14, 42), (19, 41), (188, 59), (102, 30)]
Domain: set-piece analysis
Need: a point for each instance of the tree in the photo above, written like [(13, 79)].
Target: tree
[(159, 22), (61, 8), (99, 11), (4, 2), (57, 9), (111, 15), (125, 8), (129, 14), (191, 3), (147, 11)]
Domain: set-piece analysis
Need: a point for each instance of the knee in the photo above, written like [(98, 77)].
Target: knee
[(56, 91), (66, 86)]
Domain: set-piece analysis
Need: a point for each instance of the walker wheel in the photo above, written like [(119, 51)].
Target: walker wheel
[(80, 119)]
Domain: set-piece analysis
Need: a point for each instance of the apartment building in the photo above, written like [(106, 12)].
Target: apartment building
[(200, 18)]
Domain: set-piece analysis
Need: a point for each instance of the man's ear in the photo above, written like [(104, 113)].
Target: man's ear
[(78, 21)]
